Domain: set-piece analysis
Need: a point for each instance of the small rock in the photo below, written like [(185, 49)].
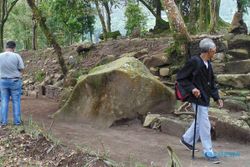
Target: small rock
[(164, 72)]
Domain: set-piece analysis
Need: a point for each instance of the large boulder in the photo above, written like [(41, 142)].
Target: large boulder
[(234, 80), (122, 89), (156, 60)]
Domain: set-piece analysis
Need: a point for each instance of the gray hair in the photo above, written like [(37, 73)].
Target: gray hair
[(206, 44)]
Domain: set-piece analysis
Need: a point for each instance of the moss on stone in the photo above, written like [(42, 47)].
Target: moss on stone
[(121, 89)]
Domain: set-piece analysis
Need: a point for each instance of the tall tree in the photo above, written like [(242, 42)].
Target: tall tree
[(135, 19), (213, 16), (34, 30), (238, 25), (51, 39), (192, 16), (155, 7), (203, 19), (176, 21), (199, 18), (108, 15), (242, 5), (103, 8), (5, 9), (17, 27), (70, 20), (101, 17), (34, 33)]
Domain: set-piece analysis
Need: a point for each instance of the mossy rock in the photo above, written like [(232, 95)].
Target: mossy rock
[(122, 89)]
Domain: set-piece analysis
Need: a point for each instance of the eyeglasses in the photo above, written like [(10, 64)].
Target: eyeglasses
[(212, 50)]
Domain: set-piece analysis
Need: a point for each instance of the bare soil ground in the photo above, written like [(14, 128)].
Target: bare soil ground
[(129, 144)]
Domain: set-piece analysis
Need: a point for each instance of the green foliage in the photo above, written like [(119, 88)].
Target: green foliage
[(19, 28), (69, 20), (135, 18), (39, 76), (243, 5), (112, 35)]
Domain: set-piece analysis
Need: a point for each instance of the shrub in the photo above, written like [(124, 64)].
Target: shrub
[(135, 18)]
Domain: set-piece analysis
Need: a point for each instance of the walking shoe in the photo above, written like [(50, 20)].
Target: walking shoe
[(212, 158), (188, 146)]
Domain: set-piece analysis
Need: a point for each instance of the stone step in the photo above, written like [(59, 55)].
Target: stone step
[(238, 67), (238, 54), (234, 80), (219, 68), (238, 92), (239, 41), (230, 125), (224, 125), (232, 132)]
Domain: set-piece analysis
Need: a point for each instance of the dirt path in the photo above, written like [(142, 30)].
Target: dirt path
[(128, 144)]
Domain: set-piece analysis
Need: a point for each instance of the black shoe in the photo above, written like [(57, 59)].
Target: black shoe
[(188, 146), (214, 159)]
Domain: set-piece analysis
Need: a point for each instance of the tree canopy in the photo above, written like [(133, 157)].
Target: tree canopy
[(74, 21)]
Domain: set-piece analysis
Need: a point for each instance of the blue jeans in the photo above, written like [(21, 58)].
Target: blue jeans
[(11, 88)]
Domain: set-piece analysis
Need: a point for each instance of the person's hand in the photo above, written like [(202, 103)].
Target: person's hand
[(196, 92), (220, 103)]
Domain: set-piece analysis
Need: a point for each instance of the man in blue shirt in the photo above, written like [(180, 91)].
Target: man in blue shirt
[(11, 67)]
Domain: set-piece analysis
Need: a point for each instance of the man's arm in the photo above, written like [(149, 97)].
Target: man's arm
[(214, 91), (20, 65)]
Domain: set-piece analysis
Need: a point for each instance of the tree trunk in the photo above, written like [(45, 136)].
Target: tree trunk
[(149, 8), (91, 37), (160, 23), (51, 39), (104, 29), (192, 16), (158, 11), (203, 15), (1, 37), (239, 6), (108, 19), (213, 16), (218, 8), (34, 34), (5, 10), (175, 19)]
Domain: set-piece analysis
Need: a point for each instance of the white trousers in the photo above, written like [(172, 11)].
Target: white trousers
[(203, 128)]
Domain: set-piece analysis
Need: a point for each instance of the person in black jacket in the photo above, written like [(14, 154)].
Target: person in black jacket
[(197, 78)]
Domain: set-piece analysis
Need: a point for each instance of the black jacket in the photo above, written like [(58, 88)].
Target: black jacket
[(195, 74)]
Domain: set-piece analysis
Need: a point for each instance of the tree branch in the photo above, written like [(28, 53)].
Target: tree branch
[(149, 7), (9, 10)]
